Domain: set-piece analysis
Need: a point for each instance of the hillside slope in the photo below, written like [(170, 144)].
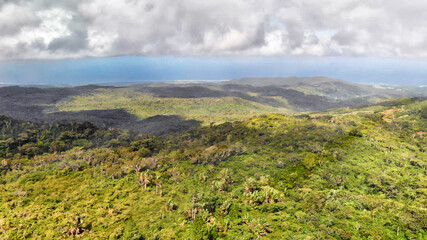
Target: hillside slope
[(126, 107), (335, 90), (234, 100), (343, 174)]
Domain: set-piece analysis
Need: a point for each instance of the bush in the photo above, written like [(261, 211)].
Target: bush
[(355, 132)]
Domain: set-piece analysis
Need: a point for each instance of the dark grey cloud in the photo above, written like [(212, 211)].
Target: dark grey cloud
[(47, 29), (75, 41)]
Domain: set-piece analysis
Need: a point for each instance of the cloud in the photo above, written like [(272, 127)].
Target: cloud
[(49, 29)]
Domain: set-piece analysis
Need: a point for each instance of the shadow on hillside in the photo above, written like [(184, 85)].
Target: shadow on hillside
[(31, 103), (120, 118)]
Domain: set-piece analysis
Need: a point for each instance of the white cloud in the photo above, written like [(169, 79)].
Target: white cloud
[(52, 26), (99, 41), (63, 29)]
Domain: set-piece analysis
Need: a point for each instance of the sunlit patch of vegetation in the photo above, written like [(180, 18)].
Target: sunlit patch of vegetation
[(208, 110)]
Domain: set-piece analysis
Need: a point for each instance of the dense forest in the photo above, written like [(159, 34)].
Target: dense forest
[(356, 173)]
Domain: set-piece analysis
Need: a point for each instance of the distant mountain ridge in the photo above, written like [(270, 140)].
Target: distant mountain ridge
[(254, 95), (330, 87)]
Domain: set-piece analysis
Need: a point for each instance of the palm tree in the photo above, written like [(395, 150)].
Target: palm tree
[(73, 125), (175, 174), (141, 179), (158, 182), (193, 206), (137, 165), (147, 178), (144, 179)]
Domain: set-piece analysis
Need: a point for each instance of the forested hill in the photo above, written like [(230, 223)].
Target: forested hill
[(162, 108), (343, 174)]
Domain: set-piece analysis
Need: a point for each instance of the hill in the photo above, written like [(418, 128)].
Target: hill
[(186, 105), (333, 89), (342, 174)]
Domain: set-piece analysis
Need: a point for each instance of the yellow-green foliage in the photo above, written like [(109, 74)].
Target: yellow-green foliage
[(308, 90), (347, 175), (252, 94), (143, 105)]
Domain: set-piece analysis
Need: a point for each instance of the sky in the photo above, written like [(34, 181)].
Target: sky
[(88, 41)]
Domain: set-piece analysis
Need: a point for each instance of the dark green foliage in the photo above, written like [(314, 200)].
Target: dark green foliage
[(423, 111), (32, 139), (355, 132)]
